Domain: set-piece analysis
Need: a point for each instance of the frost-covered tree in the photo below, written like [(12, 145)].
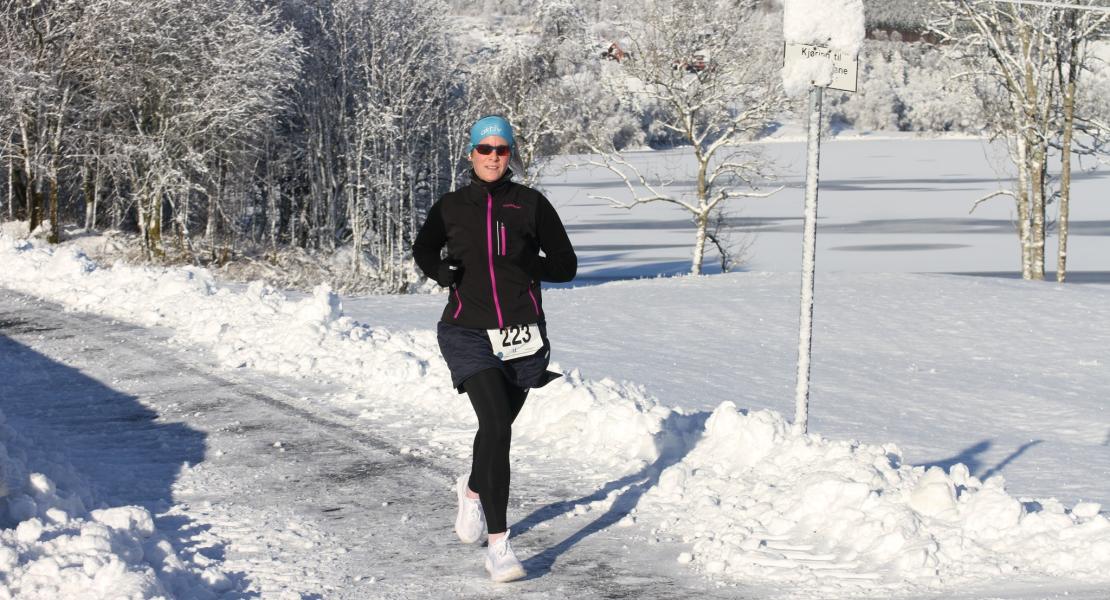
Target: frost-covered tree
[(146, 93), (560, 20), (706, 73), (1093, 103), (231, 123), (907, 87), (1009, 53), (907, 15), (368, 123), (1012, 53), (1075, 30), (45, 48), (198, 85), (403, 99)]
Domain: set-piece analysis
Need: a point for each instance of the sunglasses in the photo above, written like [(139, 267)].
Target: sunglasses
[(484, 149)]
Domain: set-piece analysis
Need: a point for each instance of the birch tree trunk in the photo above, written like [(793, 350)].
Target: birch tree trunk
[(1069, 85), (1037, 232), (117, 211), (155, 225), (355, 202), (294, 218), (182, 221), (142, 219), (1024, 225), (702, 224), (55, 228), (273, 193)]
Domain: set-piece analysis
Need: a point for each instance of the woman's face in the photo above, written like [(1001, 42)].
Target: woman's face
[(490, 167)]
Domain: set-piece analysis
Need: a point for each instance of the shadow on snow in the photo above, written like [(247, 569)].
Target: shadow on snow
[(1096, 277), (117, 449), (971, 457), (679, 435)]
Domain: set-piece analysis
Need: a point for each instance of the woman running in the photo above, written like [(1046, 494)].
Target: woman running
[(492, 333)]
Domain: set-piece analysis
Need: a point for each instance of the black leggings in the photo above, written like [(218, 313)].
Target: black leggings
[(497, 403)]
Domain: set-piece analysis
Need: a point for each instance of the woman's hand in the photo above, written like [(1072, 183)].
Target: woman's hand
[(449, 273)]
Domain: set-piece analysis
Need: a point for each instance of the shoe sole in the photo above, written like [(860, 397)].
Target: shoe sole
[(458, 517)]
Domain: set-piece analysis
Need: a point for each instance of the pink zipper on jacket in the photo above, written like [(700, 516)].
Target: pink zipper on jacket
[(459, 300), (489, 253), (535, 305)]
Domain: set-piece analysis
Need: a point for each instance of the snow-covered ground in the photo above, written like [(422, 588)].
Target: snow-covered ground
[(960, 432)]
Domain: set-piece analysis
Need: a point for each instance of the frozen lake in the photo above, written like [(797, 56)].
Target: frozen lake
[(887, 204)]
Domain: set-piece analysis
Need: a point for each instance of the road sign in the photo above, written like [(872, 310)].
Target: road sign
[(844, 68)]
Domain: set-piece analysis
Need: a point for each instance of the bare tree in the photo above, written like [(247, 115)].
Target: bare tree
[(235, 123), (43, 45), (400, 104), (1076, 28), (705, 73), (1026, 61), (1009, 52), (192, 91)]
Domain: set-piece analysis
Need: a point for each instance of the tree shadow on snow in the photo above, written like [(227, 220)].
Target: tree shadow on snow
[(98, 444), (640, 268), (1085, 277), (970, 457), (679, 434)]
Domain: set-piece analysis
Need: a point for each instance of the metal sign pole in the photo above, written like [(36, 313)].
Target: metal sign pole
[(809, 256), (822, 44)]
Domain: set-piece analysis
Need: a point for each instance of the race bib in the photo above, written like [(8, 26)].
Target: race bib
[(515, 341)]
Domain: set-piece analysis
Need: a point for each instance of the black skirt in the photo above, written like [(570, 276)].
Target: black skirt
[(468, 351)]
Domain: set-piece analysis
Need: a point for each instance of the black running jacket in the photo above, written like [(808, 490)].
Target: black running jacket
[(494, 233)]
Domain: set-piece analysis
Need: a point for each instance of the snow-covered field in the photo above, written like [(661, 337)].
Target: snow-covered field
[(960, 436), (888, 203)]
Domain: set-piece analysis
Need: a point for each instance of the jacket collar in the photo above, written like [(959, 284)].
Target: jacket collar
[(491, 187)]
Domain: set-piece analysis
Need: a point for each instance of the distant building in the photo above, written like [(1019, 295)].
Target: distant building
[(615, 52)]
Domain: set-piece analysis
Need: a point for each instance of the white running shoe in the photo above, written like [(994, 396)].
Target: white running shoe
[(501, 562), (470, 523)]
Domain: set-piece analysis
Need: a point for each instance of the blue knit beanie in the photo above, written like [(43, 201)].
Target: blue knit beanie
[(491, 125)]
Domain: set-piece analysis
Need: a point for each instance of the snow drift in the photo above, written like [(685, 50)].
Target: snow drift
[(773, 504), (53, 547)]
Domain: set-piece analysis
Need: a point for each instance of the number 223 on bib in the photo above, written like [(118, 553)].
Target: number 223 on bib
[(515, 341)]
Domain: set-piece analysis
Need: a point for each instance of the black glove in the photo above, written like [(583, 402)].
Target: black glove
[(449, 273)]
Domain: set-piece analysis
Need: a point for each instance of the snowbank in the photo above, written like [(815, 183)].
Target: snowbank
[(770, 504), (756, 501), (52, 547)]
